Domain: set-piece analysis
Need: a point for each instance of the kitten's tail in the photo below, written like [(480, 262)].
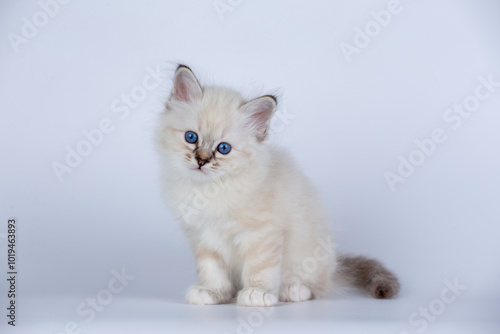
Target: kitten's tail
[(368, 274)]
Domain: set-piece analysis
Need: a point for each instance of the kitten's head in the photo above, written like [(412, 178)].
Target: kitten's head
[(207, 133)]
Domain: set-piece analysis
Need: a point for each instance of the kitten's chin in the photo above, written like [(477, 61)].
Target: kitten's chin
[(200, 174)]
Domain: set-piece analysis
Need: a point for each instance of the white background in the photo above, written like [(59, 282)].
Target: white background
[(350, 121)]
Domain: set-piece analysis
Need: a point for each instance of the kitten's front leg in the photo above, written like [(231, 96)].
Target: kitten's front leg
[(214, 285), (261, 272)]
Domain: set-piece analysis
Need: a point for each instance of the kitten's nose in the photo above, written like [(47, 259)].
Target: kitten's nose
[(203, 157), (201, 161)]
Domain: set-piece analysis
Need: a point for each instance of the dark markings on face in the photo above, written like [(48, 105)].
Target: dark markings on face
[(199, 152)]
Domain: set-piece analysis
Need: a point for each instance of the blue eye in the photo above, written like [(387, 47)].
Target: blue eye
[(224, 148), (191, 137)]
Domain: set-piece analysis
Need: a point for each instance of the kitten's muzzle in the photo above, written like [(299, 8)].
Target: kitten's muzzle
[(203, 157)]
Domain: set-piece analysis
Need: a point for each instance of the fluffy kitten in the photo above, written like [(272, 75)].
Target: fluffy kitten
[(257, 227)]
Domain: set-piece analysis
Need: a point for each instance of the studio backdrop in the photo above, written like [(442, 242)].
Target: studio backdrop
[(391, 107)]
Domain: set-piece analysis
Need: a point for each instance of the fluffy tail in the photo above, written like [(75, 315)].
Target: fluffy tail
[(369, 275)]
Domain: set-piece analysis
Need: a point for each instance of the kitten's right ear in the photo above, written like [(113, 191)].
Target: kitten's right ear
[(186, 87)]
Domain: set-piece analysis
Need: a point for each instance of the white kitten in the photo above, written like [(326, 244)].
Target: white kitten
[(257, 227)]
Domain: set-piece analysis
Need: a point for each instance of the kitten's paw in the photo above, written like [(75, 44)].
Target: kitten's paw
[(295, 293), (256, 297), (198, 295)]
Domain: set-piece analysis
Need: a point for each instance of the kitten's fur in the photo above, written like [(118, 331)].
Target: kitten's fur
[(257, 227)]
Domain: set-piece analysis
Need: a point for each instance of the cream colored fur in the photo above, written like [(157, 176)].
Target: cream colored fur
[(257, 227)]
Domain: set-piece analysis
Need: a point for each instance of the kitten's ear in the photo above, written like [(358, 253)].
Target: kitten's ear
[(186, 87), (260, 112)]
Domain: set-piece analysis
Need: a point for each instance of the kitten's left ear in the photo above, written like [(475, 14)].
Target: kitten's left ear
[(186, 87), (260, 112)]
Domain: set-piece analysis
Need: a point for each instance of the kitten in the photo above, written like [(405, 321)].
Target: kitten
[(257, 227)]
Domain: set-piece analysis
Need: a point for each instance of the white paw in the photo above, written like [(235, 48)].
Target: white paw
[(200, 296), (256, 297), (295, 293)]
